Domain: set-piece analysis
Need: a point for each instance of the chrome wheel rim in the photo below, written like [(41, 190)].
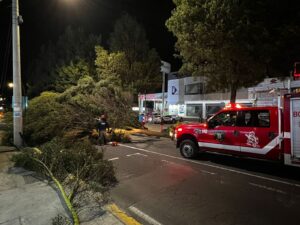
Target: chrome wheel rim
[(187, 150)]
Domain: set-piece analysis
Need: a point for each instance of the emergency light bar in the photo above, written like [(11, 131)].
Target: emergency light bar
[(233, 105)]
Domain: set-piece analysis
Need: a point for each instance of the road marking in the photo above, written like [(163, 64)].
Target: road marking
[(268, 188), (137, 154), (143, 155), (166, 161), (204, 171), (112, 159), (211, 173), (213, 166), (144, 216), (114, 209)]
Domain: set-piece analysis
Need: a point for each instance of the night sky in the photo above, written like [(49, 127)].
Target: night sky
[(45, 20)]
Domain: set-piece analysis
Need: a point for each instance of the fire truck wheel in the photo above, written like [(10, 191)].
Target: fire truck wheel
[(188, 149)]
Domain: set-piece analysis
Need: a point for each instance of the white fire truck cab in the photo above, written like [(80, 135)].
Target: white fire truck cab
[(271, 133)]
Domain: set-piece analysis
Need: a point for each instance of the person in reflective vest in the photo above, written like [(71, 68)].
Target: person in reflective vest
[(102, 126)]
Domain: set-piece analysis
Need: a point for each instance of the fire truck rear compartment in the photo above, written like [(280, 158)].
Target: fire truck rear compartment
[(295, 127)]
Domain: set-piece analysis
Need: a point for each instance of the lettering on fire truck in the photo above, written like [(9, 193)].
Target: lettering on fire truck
[(296, 114)]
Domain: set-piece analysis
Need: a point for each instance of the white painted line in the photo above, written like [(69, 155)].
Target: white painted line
[(144, 216), (112, 159), (268, 188), (137, 154), (132, 154), (213, 166), (211, 173), (143, 155), (204, 171)]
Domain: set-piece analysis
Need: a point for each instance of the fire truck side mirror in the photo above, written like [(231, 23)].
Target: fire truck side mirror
[(210, 124)]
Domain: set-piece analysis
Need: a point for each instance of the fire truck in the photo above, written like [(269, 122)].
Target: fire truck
[(268, 132)]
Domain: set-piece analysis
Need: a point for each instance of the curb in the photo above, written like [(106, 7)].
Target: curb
[(121, 215), (7, 149)]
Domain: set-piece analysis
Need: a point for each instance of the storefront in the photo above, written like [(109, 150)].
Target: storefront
[(149, 103)]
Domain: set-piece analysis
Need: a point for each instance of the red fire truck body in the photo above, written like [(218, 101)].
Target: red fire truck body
[(271, 133)]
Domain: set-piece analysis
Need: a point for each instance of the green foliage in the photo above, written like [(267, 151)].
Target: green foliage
[(7, 135), (111, 67), (45, 119), (141, 65), (76, 168), (73, 112), (78, 165), (229, 42), (90, 99), (61, 220), (70, 74)]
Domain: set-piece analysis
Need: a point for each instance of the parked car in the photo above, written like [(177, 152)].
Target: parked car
[(167, 119), (176, 118), (156, 119)]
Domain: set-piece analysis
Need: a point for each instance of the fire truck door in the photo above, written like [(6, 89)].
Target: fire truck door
[(222, 133), (257, 134), (295, 127)]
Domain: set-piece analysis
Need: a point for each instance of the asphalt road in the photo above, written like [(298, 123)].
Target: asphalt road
[(157, 186)]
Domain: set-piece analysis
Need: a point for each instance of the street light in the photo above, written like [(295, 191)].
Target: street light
[(10, 85)]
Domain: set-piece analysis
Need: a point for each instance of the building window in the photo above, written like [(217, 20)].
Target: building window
[(193, 89), (194, 110), (212, 109)]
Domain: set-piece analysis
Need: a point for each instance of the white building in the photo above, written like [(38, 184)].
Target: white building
[(187, 97)]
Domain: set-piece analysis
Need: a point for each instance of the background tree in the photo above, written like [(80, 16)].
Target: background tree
[(142, 63), (74, 49), (228, 41), (283, 48), (111, 67), (67, 76)]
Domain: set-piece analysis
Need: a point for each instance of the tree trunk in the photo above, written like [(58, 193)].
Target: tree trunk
[(233, 91)]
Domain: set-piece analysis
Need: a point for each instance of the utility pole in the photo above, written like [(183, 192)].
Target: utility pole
[(165, 69), (163, 92), (17, 88)]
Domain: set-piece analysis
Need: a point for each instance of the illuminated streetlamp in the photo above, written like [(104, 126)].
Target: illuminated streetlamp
[(10, 85)]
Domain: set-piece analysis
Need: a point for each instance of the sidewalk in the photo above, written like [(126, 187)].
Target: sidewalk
[(26, 200)]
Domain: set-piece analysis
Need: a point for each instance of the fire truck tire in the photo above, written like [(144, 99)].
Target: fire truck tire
[(188, 149)]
